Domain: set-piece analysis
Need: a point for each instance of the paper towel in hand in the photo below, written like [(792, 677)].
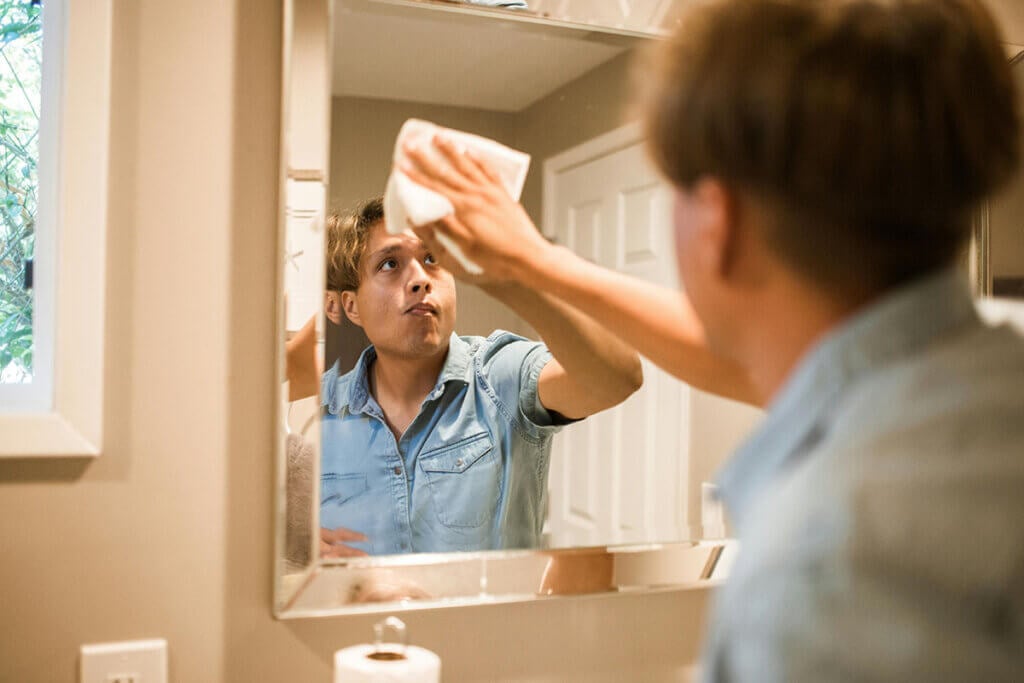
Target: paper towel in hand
[(407, 203), (356, 665)]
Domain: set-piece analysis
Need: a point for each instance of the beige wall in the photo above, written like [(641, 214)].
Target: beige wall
[(717, 427), (582, 109), (169, 532), (310, 75)]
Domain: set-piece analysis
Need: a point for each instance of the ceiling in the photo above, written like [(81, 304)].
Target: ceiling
[(463, 60)]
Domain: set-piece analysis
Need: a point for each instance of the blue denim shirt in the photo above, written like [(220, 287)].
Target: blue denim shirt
[(469, 473), (880, 507)]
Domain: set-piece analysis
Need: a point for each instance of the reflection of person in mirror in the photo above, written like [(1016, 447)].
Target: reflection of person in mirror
[(436, 442), (826, 158)]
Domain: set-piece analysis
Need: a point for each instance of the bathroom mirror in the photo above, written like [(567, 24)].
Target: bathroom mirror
[(621, 505), (624, 509)]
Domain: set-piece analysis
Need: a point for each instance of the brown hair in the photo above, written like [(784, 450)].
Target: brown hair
[(346, 241), (870, 128)]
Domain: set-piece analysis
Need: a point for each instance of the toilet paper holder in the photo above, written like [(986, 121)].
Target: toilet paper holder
[(388, 658), (386, 651)]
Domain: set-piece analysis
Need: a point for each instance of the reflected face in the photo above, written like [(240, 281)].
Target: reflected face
[(406, 301)]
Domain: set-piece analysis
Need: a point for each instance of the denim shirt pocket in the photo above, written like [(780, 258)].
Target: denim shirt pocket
[(338, 488), (464, 480)]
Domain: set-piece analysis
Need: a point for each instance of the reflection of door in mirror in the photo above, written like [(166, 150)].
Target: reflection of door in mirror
[(1002, 236), (631, 474), (620, 476), (543, 95)]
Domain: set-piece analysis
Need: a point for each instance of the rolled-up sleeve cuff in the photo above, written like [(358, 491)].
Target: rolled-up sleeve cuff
[(530, 406)]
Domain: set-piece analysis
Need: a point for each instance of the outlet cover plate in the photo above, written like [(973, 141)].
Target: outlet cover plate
[(130, 661)]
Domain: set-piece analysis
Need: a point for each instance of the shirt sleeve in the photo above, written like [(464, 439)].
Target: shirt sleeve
[(511, 367)]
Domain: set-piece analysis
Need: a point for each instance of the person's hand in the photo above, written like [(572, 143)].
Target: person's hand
[(444, 258), (491, 228), (332, 542)]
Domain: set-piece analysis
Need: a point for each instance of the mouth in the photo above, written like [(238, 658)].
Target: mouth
[(422, 308)]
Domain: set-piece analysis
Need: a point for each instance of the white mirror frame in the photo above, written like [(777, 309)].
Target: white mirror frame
[(80, 153)]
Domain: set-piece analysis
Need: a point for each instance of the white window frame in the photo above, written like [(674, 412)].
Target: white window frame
[(69, 278), (37, 395)]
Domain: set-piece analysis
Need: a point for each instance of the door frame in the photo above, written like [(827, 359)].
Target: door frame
[(585, 152)]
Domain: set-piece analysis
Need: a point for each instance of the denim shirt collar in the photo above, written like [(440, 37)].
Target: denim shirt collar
[(895, 326), (354, 392)]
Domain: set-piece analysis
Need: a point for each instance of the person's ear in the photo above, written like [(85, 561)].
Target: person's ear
[(718, 226), (332, 306), (351, 307)]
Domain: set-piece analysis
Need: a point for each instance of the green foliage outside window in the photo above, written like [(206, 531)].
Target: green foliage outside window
[(20, 78)]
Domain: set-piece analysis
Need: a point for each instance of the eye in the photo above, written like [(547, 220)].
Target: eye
[(430, 260), (388, 264)]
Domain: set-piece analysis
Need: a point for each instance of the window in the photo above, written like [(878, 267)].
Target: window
[(54, 196), (24, 323)]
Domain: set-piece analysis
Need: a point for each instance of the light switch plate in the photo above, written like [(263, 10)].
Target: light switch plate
[(130, 661)]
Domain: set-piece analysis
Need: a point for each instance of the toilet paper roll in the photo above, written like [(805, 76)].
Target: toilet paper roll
[(367, 663)]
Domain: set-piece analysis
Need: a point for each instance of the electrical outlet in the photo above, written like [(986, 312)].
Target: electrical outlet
[(132, 661)]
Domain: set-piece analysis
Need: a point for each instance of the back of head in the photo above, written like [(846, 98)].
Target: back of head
[(872, 128)]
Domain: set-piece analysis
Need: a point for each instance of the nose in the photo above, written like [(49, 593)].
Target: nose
[(419, 280)]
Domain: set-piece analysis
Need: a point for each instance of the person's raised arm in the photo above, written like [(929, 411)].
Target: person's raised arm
[(302, 366), (591, 370), (495, 232)]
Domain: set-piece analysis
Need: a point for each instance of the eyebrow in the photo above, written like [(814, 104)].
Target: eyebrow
[(391, 249), (383, 252)]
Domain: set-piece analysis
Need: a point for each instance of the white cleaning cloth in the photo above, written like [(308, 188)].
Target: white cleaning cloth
[(407, 203)]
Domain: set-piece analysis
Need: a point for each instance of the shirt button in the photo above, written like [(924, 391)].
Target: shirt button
[(458, 463), (398, 470)]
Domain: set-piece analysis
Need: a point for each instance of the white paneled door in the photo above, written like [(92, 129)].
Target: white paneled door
[(619, 476)]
